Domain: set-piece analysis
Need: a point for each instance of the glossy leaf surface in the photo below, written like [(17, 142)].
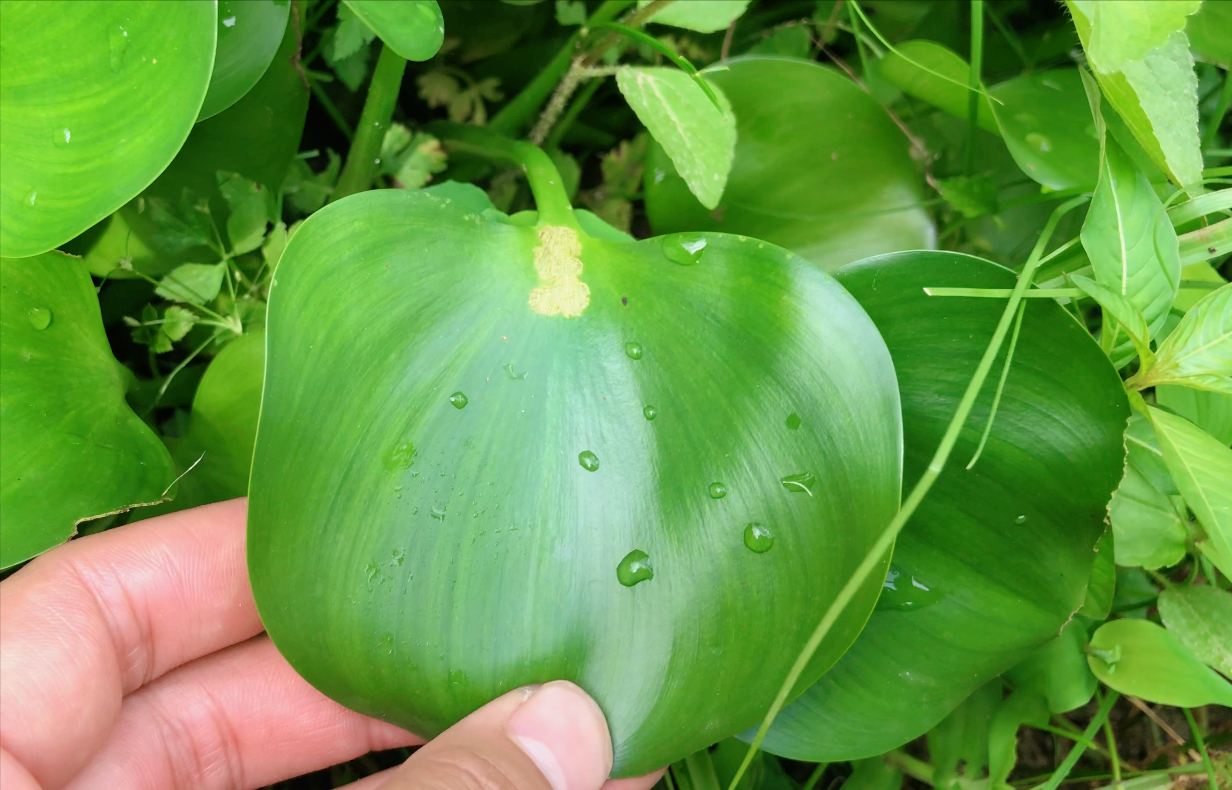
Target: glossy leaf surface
[(248, 36), (1140, 658), (1005, 549), (71, 448), (818, 168), (1201, 618), (412, 28), (97, 97), (477, 444)]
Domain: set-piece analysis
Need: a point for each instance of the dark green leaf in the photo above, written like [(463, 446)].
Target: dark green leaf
[(1059, 671), (248, 36), (412, 28)]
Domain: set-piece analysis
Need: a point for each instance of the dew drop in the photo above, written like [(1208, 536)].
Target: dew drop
[(401, 457), (634, 568), (459, 400), (229, 21), (40, 317), (799, 483), (399, 556), (117, 41), (1020, 520), (650, 412), (758, 538), (717, 490), (1039, 142), (633, 350), (588, 460), (438, 513), (793, 421), (31, 196), (61, 137), (371, 570), (685, 250)]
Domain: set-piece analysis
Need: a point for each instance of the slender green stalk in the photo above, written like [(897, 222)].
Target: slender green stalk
[(1201, 744), (1225, 98), (996, 398), (331, 109), (1113, 757), (973, 81), (175, 371), (363, 160), (915, 768), (1071, 759), (575, 109), (551, 200), (1002, 293), (888, 535), (1011, 38), (815, 776), (516, 114)]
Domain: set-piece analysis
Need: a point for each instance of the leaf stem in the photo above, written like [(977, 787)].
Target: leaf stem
[(888, 535), (1071, 759), (996, 398), (1200, 742), (1002, 293), (820, 769), (363, 159), (575, 109), (973, 80)]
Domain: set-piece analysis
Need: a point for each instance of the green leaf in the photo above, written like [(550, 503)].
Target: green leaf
[(195, 283), (177, 321), (1198, 353), (961, 738), (974, 196), (70, 447), (1006, 549), (348, 36), (1046, 124), (898, 69), (1059, 671), (414, 29), (873, 773), (1201, 618), (1209, 32), (805, 176), (118, 246), (702, 16), (412, 160), (1142, 659), (1101, 586), (1210, 411), (97, 97), (1025, 706), (570, 12), (221, 429), (698, 137), (1156, 94), (250, 206), (248, 36), (1125, 314), (369, 336), (1201, 467), (1149, 530)]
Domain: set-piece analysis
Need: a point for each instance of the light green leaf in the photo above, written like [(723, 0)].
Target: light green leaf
[(1149, 530), (249, 32), (1026, 705), (1126, 314), (177, 321), (1142, 659), (702, 16), (71, 448), (412, 160), (1198, 353), (1205, 244), (1045, 121), (96, 97), (414, 29), (962, 737), (1101, 585), (1201, 467), (1210, 411), (570, 12), (1132, 28), (1194, 277), (1201, 618), (249, 203), (195, 283), (1059, 670), (898, 69), (699, 138)]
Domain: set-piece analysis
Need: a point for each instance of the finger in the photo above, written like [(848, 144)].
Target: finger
[(94, 619), (633, 783), (239, 718), (553, 737)]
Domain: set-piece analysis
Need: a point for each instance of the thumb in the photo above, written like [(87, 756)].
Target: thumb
[(550, 737)]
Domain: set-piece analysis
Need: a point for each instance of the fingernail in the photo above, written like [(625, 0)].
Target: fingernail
[(563, 731)]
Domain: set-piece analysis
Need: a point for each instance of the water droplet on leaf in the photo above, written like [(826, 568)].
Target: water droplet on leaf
[(685, 250), (1020, 520), (459, 400), (117, 41), (588, 460), (402, 456), (229, 21), (633, 350), (717, 490), (758, 538), (903, 592), (438, 513), (399, 556), (634, 568), (799, 483), (61, 137), (793, 421), (650, 412), (511, 375), (40, 317)]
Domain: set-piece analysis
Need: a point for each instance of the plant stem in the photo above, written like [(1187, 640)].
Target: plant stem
[(1071, 759), (331, 109), (545, 182), (888, 535), (363, 159), (571, 114), (815, 776), (516, 114), (973, 98), (1002, 293), (996, 398), (906, 764), (1201, 744), (1113, 757)]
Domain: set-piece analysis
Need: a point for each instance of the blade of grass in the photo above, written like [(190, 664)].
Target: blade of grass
[(1201, 744), (973, 80), (1071, 759), (996, 398), (1001, 293), (815, 776)]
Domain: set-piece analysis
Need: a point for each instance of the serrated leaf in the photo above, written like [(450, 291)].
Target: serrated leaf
[(195, 283), (1148, 529), (1201, 618), (570, 12), (1201, 467), (177, 321), (1142, 659), (699, 138), (702, 16), (350, 34), (1126, 314), (1198, 353), (437, 88), (249, 204)]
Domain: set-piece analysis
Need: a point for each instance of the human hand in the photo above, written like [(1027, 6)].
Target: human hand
[(135, 659)]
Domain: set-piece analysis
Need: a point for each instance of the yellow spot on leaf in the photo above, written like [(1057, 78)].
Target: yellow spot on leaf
[(559, 268)]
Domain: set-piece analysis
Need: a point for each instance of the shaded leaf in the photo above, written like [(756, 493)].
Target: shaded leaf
[(414, 29), (1125, 314), (944, 94), (570, 12), (350, 34), (961, 738), (1210, 411), (177, 321), (249, 32), (1027, 705), (195, 283), (1046, 123), (1149, 530), (250, 207), (1101, 586), (1142, 659), (1201, 618), (873, 773), (1059, 671)]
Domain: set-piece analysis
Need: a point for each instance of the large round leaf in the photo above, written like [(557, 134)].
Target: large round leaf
[(476, 435), (414, 29), (819, 168), (70, 447), (248, 36), (996, 559), (96, 98), (1046, 122)]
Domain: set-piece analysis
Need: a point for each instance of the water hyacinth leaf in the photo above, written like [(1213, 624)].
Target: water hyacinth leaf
[(76, 75), (1026, 705), (414, 29), (1147, 520), (1201, 468), (371, 337), (1046, 123), (699, 138), (1142, 659), (1006, 548), (1210, 411), (1156, 94), (1125, 317), (961, 739), (701, 16), (819, 168), (248, 35), (63, 400), (1059, 671), (1101, 586), (1198, 353), (902, 69), (1201, 618)]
